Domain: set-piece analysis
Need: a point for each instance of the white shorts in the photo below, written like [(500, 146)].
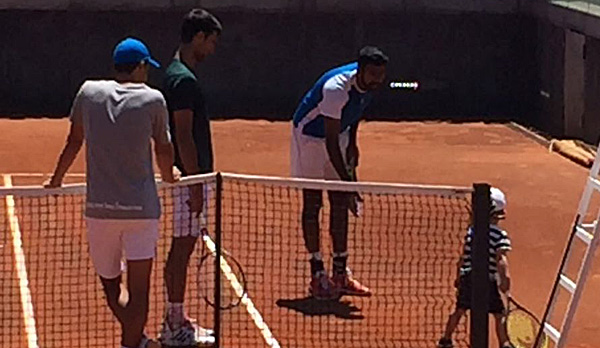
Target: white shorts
[(186, 223), (111, 239), (309, 156)]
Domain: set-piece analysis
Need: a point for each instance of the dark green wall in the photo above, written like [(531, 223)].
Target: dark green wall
[(470, 65)]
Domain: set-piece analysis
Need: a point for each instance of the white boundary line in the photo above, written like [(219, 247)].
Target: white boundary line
[(239, 291), (26, 302), (45, 175)]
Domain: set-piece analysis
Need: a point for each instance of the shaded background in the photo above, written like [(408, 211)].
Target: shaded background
[(481, 59)]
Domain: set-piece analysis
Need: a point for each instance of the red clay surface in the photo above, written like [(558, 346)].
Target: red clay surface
[(543, 188)]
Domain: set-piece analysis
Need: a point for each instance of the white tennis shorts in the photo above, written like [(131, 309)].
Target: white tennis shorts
[(111, 239), (186, 223), (309, 157)]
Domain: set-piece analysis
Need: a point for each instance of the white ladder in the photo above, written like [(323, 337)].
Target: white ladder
[(588, 234)]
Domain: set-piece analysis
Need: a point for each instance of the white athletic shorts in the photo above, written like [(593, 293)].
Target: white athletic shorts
[(186, 223), (309, 157), (111, 240)]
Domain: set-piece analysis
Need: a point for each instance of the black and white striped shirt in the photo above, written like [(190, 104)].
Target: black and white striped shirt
[(499, 241)]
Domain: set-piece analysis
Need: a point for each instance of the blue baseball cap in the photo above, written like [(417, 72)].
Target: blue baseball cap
[(131, 51)]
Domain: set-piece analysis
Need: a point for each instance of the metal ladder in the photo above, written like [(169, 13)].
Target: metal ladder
[(588, 234)]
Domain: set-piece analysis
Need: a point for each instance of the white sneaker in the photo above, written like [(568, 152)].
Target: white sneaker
[(189, 334)]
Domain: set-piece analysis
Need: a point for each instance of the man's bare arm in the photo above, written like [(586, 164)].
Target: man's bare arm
[(184, 126), (69, 153), (332, 131), (352, 153), (165, 155), (184, 121), (353, 133)]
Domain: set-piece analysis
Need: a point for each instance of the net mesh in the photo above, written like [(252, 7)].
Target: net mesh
[(404, 247), (66, 297)]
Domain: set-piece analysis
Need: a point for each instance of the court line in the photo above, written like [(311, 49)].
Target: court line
[(26, 302), (239, 291)]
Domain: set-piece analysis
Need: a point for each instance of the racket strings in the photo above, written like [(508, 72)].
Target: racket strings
[(233, 279), (522, 329)]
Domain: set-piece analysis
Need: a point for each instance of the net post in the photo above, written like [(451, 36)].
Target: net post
[(218, 200), (480, 278)]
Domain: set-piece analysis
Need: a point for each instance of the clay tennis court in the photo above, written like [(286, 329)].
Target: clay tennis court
[(543, 191)]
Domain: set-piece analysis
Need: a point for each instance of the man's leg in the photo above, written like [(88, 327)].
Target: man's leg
[(312, 202), (112, 290), (139, 240), (106, 240), (321, 286), (176, 277), (307, 161), (338, 227), (136, 310), (186, 230), (178, 329), (133, 315)]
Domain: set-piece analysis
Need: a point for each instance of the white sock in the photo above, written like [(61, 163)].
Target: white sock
[(342, 254), (316, 256)]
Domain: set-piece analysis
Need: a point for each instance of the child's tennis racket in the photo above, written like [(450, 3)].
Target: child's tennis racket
[(522, 326)]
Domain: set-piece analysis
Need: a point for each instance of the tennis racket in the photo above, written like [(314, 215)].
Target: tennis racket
[(234, 287), (522, 326)]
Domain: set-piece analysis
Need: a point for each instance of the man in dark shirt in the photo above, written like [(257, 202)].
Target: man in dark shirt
[(190, 129)]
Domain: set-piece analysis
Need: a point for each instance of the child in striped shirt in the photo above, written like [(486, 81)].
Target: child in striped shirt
[(498, 268)]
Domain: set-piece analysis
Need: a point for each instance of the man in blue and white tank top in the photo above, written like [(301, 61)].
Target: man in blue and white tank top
[(324, 147)]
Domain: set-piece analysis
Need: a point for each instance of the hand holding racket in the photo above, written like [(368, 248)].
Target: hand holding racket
[(522, 326)]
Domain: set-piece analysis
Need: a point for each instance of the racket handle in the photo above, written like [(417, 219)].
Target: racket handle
[(359, 205), (351, 174)]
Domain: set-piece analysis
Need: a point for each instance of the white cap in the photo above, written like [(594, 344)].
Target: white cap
[(498, 200)]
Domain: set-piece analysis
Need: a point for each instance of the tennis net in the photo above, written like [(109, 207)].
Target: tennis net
[(404, 246), (50, 295)]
